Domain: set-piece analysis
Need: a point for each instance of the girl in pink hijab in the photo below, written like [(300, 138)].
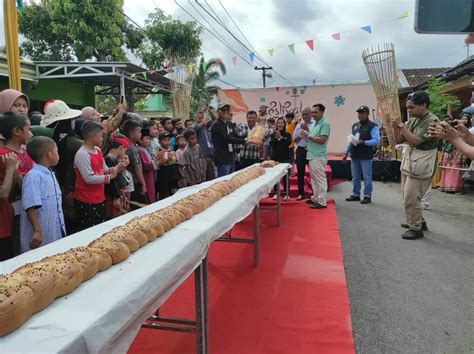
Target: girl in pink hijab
[(14, 101)]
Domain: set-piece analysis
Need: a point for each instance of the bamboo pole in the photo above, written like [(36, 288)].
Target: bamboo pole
[(10, 20)]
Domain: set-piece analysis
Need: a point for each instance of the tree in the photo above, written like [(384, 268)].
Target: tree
[(207, 71), (439, 100), (82, 29), (168, 37)]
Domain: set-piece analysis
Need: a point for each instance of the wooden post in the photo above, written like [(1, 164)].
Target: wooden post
[(10, 19)]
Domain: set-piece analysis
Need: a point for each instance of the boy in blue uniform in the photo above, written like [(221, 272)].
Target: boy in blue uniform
[(43, 222)]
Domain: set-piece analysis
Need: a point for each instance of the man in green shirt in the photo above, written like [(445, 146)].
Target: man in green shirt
[(418, 162), (317, 139)]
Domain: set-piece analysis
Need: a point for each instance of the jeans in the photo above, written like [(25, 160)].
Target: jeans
[(224, 170), (361, 168)]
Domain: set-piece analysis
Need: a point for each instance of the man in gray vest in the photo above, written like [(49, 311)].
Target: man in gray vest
[(365, 136)]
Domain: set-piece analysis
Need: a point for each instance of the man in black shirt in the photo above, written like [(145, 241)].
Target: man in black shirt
[(223, 140)]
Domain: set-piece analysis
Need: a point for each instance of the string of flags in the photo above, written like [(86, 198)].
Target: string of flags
[(167, 69), (310, 42)]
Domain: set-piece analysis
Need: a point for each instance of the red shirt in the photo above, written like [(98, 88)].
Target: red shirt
[(6, 209), (90, 169)]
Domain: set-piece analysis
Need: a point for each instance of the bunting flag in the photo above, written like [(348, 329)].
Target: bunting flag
[(251, 56), (336, 36), (403, 15), (218, 61), (20, 6), (270, 51), (291, 47), (234, 60), (277, 88), (168, 69), (310, 44), (133, 76), (177, 68), (368, 29), (145, 76), (190, 68)]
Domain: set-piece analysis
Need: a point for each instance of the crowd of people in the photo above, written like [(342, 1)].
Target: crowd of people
[(69, 169), (66, 170)]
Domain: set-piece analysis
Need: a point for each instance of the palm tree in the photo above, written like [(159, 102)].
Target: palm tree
[(207, 72)]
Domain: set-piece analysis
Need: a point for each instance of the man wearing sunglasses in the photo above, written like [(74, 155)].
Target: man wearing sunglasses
[(418, 162), (223, 139)]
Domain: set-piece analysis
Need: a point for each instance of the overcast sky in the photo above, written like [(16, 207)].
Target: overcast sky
[(272, 24)]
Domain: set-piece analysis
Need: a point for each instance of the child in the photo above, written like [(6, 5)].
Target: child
[(130, 188), (149, 167), (43, 222), (91, 175), (116, 202), (8, 175), (133, 131), (168, 174), (192, 159), (181, 144), (267, 149), (16, 130)]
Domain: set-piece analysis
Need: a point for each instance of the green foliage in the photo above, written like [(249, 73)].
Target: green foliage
[(207, 71), (169, 37), (440, 100), (85, 29)]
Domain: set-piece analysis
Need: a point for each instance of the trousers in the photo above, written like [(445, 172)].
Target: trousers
[(301, 163), (361, 168), (319, 183), (413, 191)]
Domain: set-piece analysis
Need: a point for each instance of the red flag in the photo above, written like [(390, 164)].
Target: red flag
[(336, 36), (278, 89), (310, 44)]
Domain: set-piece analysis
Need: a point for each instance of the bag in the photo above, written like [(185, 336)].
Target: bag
[(419, 164)]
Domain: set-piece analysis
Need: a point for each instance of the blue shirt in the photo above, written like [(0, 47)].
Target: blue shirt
[(41, 191), (374, 139), (296, 134)]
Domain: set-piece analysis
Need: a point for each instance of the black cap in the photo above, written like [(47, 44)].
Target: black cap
[(163, 135), (363, 109)]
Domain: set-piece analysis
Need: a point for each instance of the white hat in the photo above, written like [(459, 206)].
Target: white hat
[(56, 111)]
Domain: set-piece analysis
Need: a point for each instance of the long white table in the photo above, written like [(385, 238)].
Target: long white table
[(105, 313)]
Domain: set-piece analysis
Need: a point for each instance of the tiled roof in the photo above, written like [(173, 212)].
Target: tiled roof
[(416, 77)]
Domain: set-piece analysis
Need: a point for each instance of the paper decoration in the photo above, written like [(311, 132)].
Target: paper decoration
[(190, 68), (145, 75), (403, 15), (291, 47), (310, 44), (270, 51), (368, 29), (177, 68), (168, 69), (251, 56), (339, 100), (20, 6), (234, 60), (336, 36), (133, 76)]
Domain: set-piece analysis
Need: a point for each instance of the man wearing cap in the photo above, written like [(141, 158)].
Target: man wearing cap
[(365, 136), (223, 140)]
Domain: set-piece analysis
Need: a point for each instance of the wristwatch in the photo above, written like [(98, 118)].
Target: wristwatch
[(401, 125)]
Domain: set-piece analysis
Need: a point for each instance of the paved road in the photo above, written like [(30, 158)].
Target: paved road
[(409, 296)]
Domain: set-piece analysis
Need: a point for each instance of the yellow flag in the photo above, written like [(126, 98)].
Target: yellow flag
[(403, 15), (270, 51), (190, 68)]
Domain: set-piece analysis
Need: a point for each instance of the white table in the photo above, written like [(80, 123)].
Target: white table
[(105, 313)]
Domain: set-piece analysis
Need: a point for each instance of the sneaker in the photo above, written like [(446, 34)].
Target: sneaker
[(299, 197), (353, 198), (287, 198), (413, 235), (317, 206), (366, 200), (275, 197), (310, 201), (424, 226)]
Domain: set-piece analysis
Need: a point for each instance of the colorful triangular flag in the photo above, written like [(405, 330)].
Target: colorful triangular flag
[(277, 88), (168, 69), (234, 60), (218, 61), (270, 51), (310, 44), (20, 6), (190, 68), (336, 36), (291, 47), (403, 15), (145, 75), (177, 68), (251, 56), (368, 29), (133, 76)]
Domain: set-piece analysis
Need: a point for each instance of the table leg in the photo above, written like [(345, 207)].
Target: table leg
[(201, 307), (278, 202), (256, 236), (287, 184)]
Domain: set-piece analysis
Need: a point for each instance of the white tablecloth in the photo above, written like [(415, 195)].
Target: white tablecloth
[(105, 313)]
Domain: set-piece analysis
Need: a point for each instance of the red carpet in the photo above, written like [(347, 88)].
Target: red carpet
[(295, 302)]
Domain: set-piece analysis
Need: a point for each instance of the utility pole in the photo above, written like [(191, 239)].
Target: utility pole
[(264, 73)]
